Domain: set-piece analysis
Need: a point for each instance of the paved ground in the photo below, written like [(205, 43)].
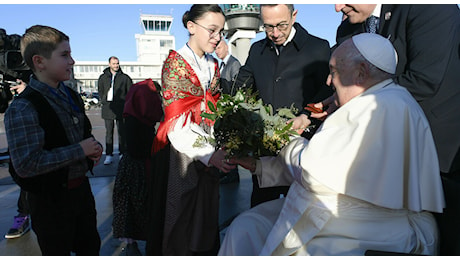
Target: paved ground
[(234, 198)]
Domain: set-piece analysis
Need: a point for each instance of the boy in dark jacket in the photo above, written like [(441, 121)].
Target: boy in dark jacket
[(52, 149)]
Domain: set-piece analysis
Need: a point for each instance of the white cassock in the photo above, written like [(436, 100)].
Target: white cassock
[(368, 179)]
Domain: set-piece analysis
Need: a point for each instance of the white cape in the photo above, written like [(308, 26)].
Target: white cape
[(394, 165), (347, 197)]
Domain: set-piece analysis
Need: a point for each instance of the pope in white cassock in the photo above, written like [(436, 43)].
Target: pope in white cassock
[(368, 179)]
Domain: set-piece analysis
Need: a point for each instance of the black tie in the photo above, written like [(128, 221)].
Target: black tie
[(279, 47), (222, 65), (372, 24)]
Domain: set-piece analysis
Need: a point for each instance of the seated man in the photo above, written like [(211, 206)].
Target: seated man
[(368, 179)]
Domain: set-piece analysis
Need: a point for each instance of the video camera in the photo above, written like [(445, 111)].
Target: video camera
[(12, 67)]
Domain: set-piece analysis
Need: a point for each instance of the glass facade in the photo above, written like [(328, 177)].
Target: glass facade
[(253, 8), (166, 43), (88, 75), (156, 26)]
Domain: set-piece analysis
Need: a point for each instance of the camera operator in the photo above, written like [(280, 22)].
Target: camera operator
[(13, 70), (21, 223)]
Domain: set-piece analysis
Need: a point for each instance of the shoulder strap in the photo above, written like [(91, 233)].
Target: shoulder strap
[(54, 131)]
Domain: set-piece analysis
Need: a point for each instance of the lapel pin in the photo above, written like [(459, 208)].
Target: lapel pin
[(387, 16)]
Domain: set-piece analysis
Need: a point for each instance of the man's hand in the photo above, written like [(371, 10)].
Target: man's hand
[(300, 123), (248, 163), (17, 89), (329, 103)]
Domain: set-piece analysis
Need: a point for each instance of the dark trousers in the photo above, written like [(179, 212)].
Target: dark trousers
[(449, 220), (260, 195), (23, 204), (232, 176), (109, 126), (65, 221)]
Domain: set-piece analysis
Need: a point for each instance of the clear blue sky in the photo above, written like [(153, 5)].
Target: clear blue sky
[(98, 31)]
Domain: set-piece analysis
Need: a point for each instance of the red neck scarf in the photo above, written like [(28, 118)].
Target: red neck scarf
[(182, 94)]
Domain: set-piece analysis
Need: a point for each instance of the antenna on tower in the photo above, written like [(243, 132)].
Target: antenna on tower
[(140, 20)]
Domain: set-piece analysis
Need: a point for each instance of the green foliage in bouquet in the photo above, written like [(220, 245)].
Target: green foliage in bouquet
[(244, 126)]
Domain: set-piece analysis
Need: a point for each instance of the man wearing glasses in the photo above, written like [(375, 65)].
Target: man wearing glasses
[(289, 66)]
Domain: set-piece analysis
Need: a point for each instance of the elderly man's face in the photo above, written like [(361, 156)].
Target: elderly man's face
[(342, 73), (222, 50), (357, 13), (275, 17)]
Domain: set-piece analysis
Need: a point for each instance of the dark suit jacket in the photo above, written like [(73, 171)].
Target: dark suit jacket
[(228, 75), (298, 76), (427, 40), (114, 108)]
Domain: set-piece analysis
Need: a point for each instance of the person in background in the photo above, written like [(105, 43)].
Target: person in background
[(343, 199), (21, 223), (427, 40), (52, 148), (229, 68), (113, 85), (288, 67), (186, 179), (130, 209)]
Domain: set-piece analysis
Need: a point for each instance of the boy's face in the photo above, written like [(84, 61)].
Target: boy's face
[(59, 65)]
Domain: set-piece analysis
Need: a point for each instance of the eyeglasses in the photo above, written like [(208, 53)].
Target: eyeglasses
[(280, 27), (213, 33)]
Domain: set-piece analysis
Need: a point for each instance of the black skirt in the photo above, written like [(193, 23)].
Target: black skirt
[(130, 210)]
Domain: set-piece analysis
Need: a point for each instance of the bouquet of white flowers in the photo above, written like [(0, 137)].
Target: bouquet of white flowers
[(244, 126)]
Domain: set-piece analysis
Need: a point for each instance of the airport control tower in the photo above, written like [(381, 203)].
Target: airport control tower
[(154, 43), (243, 23)]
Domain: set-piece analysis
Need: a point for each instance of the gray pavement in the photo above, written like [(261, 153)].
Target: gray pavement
[(234, 198)]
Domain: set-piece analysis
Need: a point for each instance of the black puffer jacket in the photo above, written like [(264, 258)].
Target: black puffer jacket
[(113, 109)]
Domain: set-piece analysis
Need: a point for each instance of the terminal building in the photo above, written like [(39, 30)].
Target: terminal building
[(152, 46)]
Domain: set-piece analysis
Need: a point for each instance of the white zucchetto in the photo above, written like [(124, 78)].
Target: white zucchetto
[(377, 50)]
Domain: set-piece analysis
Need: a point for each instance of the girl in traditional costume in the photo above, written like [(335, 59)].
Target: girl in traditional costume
[(186, 180)]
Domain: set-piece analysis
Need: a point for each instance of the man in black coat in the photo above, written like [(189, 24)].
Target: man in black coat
[(290, 66), (427, 40), (113, 85)]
